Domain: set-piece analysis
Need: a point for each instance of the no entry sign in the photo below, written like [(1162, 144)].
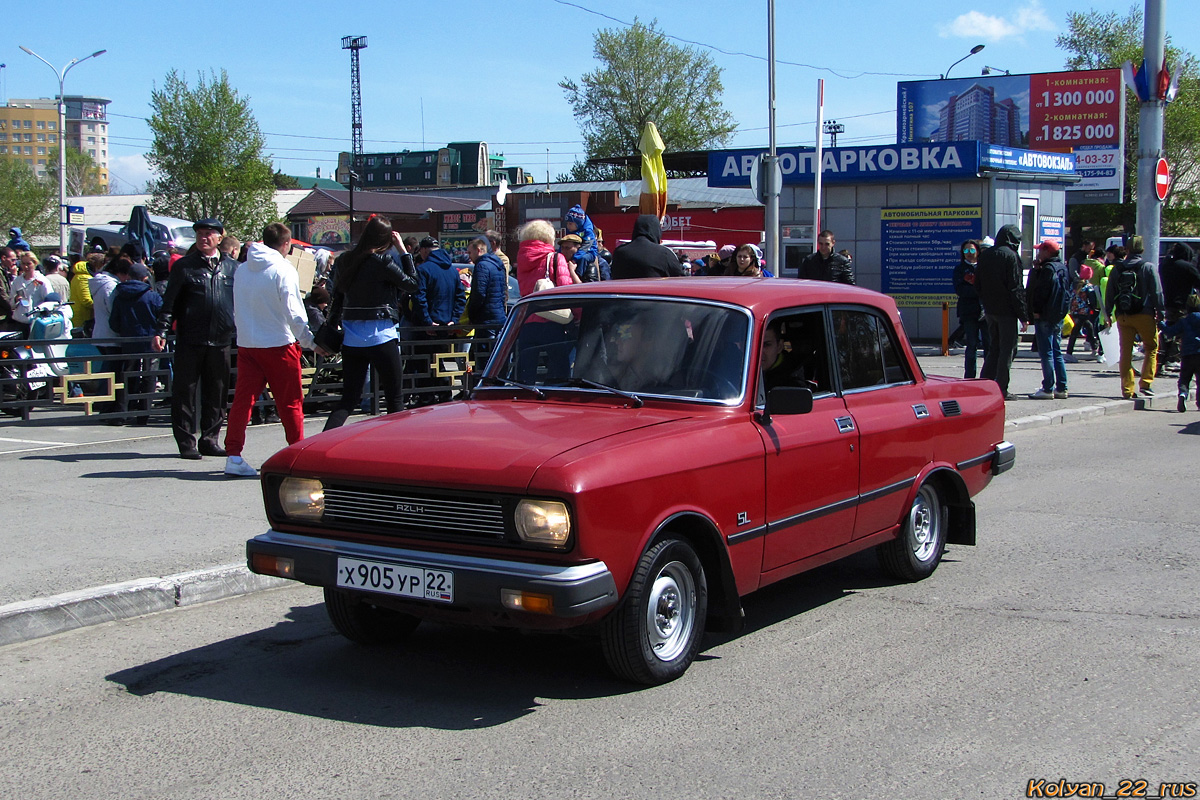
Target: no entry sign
[(1162, 178)]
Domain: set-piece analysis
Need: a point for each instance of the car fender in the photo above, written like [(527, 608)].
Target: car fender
[(960, 507), (725, 614)]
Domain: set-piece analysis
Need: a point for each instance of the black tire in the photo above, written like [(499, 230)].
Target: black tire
[(361, 621), (654, 634), (918, 550)]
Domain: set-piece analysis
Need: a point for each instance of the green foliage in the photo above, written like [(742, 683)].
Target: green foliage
[(1105, 41), (83, 173), (26, 202), (207, 155), (645, 77), (282, 181)]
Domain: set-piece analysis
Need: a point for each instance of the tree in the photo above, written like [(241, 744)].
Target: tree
[(1105, 41), (207, 155), (26, 202), (645, 77), (83, 173), (282, 181)]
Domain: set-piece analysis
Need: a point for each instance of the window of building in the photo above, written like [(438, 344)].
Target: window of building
[(53, 126), (41, 137), (3, 149), (29, 137), (92, 153), (445, 159), (371, 162), (42, 151), (29, 152), (387, 162), (53, 138), (429, 175), (104, 154), (92, 140), (428, 159), (91, 127), (27, 123), (3, 137), (387, 176), (41, 124)]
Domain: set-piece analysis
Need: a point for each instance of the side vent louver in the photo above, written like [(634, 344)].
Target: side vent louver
[(950, 408)]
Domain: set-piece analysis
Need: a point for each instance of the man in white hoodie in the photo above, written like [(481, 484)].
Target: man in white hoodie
[(272, 327)]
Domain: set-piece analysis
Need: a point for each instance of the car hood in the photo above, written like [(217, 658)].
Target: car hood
[(495, 445)]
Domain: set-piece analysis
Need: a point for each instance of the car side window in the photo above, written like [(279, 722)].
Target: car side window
[(867, 353), (794, 352)]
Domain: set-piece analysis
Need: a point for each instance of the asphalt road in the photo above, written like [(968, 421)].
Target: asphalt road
[(1065, 646)]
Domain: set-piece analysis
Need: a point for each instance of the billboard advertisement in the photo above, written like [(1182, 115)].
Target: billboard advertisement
[(1081, 111)]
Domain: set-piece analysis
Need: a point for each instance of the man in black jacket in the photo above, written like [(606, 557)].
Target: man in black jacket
[(998, 280), (826, 265), (199, 300), (643, 256), (1180, 277)]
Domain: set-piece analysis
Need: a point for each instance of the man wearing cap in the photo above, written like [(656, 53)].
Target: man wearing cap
[(569, 245), (426, 246), (1048, 295), (199, 301)]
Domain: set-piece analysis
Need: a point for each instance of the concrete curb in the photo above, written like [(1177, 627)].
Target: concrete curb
[(1064, 415), (46, 616)]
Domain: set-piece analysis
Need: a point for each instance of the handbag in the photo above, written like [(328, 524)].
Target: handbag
[(329, 336), (562, 316)]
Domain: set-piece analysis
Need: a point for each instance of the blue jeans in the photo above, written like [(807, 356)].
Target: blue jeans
[(1048, 335), (976, 338)]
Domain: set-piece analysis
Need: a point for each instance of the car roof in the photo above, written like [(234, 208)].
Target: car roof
[(760, 295)]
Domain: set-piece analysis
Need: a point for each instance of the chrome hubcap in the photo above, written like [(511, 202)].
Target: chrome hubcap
[(670, 611), (923, 521)]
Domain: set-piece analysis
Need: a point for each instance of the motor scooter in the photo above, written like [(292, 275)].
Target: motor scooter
[(29, 367)]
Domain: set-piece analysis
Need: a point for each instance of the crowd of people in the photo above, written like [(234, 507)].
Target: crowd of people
[(1151, 306)]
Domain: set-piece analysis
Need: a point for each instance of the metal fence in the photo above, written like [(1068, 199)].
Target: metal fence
[(124, 379)]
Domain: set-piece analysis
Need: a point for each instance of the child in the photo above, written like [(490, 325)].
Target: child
[(1188, 331), (1085, 311)]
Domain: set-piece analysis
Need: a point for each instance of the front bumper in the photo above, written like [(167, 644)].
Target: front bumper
[(576, 591)]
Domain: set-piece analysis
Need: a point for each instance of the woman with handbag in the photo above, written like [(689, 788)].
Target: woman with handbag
[(367, 288), (539, 267)]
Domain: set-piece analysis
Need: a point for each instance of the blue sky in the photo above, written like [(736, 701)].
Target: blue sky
[(470, 70)]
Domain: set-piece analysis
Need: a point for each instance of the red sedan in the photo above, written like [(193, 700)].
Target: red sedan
[(637, 457)]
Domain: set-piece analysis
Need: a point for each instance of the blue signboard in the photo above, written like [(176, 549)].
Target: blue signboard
[(889, 162), (1016, 160), (920, 248)]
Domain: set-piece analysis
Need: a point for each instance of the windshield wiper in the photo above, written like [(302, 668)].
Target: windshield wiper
[(632, 398), (506, 382)]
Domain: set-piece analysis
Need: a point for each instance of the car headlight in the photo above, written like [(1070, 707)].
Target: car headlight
[(543, 522), (302, 498)]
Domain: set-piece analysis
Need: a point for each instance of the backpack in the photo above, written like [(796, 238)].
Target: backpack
[(1059, 301), (1128, 300)]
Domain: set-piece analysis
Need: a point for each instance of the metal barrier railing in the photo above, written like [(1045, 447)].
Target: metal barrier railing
[(125, 379)]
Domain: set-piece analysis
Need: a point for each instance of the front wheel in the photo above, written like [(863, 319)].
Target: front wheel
[(918, 550), (361, 621), (654, 635)]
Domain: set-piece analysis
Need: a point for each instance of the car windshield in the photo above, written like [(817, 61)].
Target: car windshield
[(642, 346)]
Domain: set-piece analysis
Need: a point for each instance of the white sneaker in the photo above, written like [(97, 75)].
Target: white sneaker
[(1040, 394), (237, 466)]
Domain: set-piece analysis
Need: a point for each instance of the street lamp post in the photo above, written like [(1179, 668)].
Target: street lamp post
[(974, 50), (62, 141)]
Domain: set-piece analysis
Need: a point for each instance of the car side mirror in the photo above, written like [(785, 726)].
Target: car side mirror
[(787, 400)]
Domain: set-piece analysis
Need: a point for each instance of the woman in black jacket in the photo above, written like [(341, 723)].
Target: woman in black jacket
[(368, 286), (970, 311)]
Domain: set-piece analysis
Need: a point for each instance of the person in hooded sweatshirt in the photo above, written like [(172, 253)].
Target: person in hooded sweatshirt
[(587, 257), (133, 313), (1180, 278), (272, 327), (998, 281), (439, 302), (643, 256)]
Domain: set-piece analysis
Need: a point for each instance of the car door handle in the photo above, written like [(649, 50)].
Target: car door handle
[(845, 424)]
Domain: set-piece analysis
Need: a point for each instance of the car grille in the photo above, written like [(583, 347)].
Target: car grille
[(406, 513)]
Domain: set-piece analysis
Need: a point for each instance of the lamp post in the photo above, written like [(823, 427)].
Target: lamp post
[(974, 50), (990, 70), (62, 141)]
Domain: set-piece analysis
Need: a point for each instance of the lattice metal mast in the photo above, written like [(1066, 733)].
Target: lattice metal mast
[(354, 44)]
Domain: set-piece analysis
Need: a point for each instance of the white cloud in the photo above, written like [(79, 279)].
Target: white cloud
[(977, 25), (128, 174)]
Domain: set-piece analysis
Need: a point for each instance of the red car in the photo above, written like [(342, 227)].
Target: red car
[(637, 457)]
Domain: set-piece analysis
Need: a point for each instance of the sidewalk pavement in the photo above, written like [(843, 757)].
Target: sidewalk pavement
[(66, 561)]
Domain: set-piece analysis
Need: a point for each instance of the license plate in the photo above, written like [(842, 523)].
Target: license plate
[(401, 580)]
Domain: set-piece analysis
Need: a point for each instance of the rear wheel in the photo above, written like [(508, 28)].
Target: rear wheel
[(361, 621), (654, 635), (916, 553)]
